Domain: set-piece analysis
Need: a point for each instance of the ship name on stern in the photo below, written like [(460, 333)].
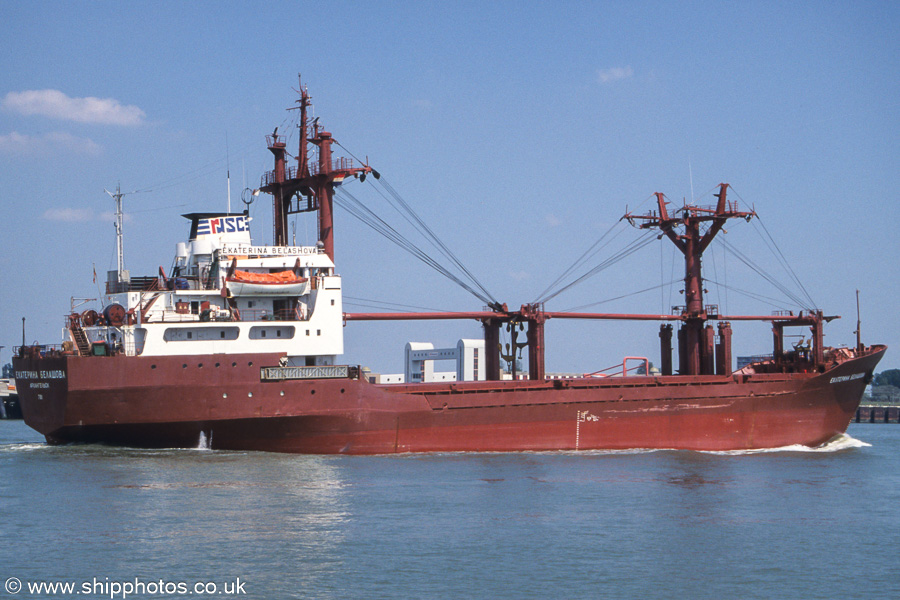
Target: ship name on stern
[(55, 374)]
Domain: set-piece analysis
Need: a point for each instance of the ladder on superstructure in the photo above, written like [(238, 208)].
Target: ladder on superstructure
[(81, 340)]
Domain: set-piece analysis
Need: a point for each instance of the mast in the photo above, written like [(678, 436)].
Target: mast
[(696, 342), (120, 241), (307, 188)]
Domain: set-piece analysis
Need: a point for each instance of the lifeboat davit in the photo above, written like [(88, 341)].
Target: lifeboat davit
[(281, 283)]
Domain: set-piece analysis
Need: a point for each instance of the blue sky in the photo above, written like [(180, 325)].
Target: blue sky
[(519, 131)]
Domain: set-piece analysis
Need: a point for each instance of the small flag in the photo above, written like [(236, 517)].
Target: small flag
[(95, 274)]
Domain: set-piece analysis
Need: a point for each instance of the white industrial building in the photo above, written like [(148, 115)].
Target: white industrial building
[(468, 355)]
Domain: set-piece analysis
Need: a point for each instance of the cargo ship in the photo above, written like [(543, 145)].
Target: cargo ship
[(239, 347)]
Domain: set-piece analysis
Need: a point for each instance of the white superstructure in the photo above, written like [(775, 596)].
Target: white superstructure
[(223, 295)]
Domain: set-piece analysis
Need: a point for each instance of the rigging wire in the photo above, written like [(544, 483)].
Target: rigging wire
[(672, 275), (377, 306), (725, 277), (762, 273), (649, 289), (629, 249), (662, 277), (772, 245), (427, 231), (357, 209), (396, 201), (586, 256), (774, 302), (784, 263), (393, 304), (716, 275)]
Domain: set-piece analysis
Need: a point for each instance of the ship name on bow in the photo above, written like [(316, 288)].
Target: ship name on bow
[(843, 378)]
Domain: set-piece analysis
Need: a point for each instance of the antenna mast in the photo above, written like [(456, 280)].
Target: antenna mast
[(228, 171), (120, 241)]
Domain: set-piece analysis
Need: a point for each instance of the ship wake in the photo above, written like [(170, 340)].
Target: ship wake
[(838, 443)]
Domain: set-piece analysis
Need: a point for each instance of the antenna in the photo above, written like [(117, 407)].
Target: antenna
[(120, 241), (859, 346), (228, 171), (120, 236), (691, 174)]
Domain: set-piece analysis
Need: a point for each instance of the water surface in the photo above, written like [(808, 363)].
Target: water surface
[(792, 523)]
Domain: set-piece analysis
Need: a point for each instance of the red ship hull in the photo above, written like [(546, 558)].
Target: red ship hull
[(175, 401)]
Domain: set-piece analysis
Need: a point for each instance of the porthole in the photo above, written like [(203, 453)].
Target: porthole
[(184, 366), (249, 394), (152, 366), (225, 395), (312, 391), (282, 392)]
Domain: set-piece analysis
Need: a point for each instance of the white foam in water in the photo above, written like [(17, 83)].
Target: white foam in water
[(22, 447), (204, 443), (836, 444)]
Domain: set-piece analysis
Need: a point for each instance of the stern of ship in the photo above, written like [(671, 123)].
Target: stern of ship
[(42, 381)]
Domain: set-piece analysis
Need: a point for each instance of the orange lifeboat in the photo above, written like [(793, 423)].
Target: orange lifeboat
[(280, 283)]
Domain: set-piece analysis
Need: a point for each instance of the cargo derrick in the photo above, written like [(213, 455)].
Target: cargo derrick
[(696, 341), (702, 349), (307, 188), (698, 352)]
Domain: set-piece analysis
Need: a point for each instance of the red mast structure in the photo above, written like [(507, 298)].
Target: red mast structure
[(307, 188), (696, 340)]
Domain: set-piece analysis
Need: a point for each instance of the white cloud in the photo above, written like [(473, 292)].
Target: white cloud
[(56, 105), (80, 215), (614, 74), (19, 143), (69, 215)]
